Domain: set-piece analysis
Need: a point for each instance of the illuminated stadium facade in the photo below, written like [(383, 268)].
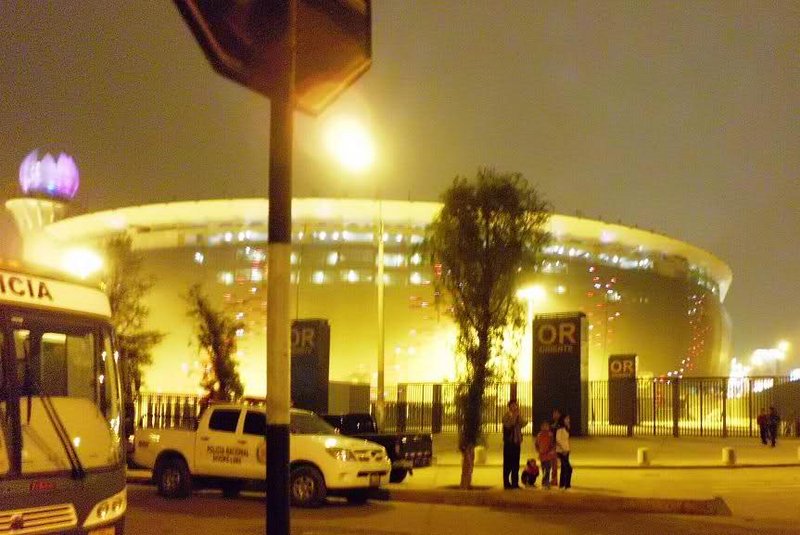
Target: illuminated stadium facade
[(642, 292)]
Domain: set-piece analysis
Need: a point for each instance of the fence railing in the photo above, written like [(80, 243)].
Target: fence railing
[(711, 406)]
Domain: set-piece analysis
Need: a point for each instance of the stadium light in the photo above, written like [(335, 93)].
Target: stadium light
[(349, 141), (81, 263), (532, 294)]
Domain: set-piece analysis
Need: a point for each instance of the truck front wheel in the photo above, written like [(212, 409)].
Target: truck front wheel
[(397, 475), (307, 487), (173, 478)]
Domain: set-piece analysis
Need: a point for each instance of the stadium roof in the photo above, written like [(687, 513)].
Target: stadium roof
[(233, 212)]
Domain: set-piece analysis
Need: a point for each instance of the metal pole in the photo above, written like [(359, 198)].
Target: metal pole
[(380, 402), (279, 249)]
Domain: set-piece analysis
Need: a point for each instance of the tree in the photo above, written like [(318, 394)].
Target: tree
[(216, 335), (126, 284), (485, 238)]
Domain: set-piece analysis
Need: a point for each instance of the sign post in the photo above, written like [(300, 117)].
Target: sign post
[(300, 54), (311, 349), (279, 249), (560, 368), (622, 390)]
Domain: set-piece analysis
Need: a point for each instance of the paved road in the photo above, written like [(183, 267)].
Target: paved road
[(210, 513)]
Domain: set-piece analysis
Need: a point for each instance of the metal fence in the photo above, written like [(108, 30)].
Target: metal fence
[(712, 406), (167, 411)]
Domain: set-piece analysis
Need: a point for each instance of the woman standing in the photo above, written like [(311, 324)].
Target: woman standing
[(562, 449)]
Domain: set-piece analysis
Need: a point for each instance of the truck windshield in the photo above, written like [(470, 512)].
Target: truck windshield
[(306, 423)]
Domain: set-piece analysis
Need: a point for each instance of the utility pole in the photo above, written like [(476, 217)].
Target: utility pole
[(255, 43), (279, 228), (380, 404)]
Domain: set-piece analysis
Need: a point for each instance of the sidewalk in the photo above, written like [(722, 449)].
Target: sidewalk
[(621, 452), (630, 490)]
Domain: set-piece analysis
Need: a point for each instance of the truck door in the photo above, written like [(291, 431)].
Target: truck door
[(253, 431), (220, 450)]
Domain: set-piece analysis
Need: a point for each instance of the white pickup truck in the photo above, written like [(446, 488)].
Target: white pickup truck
[(228, 451)]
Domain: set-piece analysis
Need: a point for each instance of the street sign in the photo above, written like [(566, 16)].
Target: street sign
[(240, 39), (622, 389), (560, 368), (310, 362)]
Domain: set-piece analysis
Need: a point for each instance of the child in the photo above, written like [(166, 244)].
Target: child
[(530, 473), (547, 452)]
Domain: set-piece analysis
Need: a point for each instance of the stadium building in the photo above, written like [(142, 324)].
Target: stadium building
[(642, 292)]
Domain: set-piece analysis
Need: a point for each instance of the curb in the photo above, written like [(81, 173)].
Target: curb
[(555, 500)]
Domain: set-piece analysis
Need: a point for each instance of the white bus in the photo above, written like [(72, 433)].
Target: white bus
[(62, 460)]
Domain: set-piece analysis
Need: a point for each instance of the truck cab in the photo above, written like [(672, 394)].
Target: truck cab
[(228, 451)]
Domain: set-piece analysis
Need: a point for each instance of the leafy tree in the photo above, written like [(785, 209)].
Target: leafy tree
[(216, 335), (126, 284), (485, 238)]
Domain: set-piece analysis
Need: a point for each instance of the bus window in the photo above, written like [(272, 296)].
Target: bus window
[(108, 382), (56, 363), (22, 345), (67, 365)]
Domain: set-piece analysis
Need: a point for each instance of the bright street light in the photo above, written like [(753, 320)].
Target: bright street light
[(81, 263), (773, 356), (532, 293), (350, 143)]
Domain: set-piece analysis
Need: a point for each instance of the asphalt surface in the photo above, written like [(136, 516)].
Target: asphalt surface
[(208, 512)]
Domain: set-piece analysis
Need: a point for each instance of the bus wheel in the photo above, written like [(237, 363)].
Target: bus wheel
[(173, 478), (307, 487)]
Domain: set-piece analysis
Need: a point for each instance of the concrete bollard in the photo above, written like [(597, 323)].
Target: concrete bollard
[(643, 456), (480, 455), (728, 456)]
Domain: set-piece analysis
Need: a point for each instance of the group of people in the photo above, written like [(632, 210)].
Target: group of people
[(551, 444), (768, 425)]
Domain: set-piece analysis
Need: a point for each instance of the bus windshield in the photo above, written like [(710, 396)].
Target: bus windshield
[(60, 383)]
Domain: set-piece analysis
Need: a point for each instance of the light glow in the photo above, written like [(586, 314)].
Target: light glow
[(533, 293), (54, 177), (350, 143), (81, 263)]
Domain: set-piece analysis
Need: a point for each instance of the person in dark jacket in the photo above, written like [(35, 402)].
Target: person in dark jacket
[(763, 425), (773, 423), (513, 423)]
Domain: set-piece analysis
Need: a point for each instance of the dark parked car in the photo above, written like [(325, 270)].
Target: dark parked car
[(406, 450)]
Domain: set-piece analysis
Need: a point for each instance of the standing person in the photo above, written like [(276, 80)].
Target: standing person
[(772, 423), (512, 442), (555, 424), (546, 448), (562, 449), (763, 425)]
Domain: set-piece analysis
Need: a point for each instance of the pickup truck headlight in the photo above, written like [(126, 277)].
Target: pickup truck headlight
[(108, 510), (341, 454)]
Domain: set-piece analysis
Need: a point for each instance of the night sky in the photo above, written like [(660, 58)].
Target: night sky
[(681, 117)]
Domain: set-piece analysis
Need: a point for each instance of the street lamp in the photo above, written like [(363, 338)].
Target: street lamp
[(532, 295), (350, 143)]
